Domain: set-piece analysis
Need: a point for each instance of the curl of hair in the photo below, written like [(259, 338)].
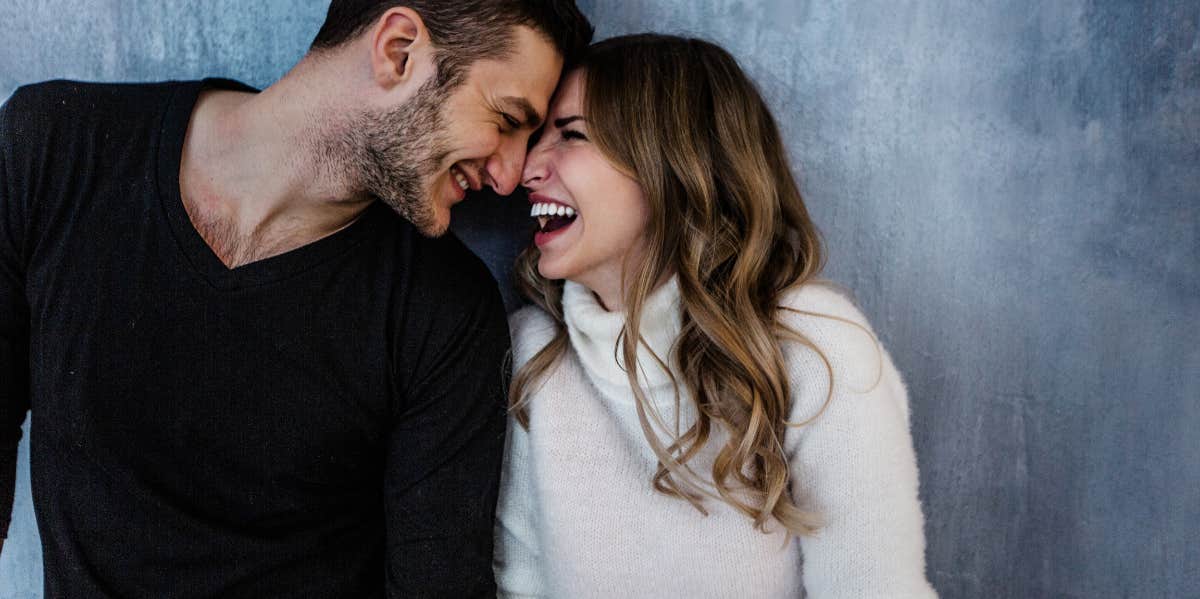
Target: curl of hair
[(727, 218)]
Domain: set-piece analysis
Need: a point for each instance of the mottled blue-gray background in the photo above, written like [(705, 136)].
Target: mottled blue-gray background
[(1011, 187)]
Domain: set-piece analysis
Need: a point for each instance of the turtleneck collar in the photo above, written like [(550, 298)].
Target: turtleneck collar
[(594, 332)]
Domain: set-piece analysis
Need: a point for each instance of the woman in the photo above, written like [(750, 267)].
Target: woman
[(759, 427)]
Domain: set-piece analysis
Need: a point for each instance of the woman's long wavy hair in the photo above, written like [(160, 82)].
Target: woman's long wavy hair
[(727, 218)]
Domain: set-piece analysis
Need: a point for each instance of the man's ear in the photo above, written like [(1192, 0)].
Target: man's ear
[(397, 35)]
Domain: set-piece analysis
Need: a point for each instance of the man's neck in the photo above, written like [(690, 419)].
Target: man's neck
[(251, 177)]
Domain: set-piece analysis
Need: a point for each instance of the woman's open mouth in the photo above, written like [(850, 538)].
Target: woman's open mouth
[(553, 219), (551, 216)]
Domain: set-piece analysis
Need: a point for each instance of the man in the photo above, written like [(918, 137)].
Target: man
[(247, 377)]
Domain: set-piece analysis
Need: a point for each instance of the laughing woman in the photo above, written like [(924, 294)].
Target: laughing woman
[(694, 415)]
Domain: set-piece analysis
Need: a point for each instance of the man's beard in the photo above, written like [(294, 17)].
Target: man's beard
[(395, 154)]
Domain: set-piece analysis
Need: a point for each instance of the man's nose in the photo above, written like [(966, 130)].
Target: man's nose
[(504, 167)]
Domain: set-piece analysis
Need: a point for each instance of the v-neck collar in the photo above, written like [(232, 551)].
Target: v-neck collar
[(195, 249)]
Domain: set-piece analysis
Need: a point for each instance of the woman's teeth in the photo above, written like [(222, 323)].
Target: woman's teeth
[(460, 178), (552, 217), (548, 209)]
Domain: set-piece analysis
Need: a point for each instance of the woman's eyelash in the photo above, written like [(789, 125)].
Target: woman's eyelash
[(572, 134)]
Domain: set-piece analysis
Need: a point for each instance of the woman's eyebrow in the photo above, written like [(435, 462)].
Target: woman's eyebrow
[(567, 120)]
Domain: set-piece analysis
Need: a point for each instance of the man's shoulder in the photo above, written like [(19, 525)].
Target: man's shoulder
[(436, 270), (57, 114), (451, 265), (445, 299), (66, 96)]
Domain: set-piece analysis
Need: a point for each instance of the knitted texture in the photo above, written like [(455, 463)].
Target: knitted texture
[(578, 516)]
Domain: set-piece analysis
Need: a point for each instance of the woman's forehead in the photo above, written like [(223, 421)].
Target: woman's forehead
[(569, 96)]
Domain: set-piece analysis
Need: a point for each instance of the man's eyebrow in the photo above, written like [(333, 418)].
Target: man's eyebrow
[(567, 120), (529, 115)]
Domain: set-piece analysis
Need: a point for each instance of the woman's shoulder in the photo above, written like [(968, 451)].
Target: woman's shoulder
[(529, 317), (531, 328), (836, 344), (821, 309)]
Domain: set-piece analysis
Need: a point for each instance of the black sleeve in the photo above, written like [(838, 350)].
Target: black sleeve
[(14, 313), (445, 449)]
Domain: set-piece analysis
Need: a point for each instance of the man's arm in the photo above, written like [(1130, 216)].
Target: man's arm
[(444, 460), (14, 314)]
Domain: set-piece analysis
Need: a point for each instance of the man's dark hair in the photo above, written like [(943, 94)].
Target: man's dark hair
[(464, 31)]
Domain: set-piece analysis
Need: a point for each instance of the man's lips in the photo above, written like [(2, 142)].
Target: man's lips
[(453, 192), (473, 179)]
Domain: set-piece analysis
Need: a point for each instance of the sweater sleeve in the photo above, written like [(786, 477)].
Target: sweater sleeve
[(854, 464), (14, 313), (518, 551)]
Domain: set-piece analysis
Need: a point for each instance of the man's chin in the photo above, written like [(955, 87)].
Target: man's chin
[(429, 220), (434, 223), (436, 230)]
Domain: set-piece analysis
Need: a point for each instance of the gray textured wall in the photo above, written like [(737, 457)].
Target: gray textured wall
[(1009, 186)]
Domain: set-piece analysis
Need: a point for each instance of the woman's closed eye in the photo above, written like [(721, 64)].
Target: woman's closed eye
[(573, 134)]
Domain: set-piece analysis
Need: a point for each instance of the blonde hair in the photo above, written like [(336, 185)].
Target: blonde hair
[(726, 216)]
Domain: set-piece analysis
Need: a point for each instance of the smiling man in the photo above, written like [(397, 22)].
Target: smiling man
[(256, 368)]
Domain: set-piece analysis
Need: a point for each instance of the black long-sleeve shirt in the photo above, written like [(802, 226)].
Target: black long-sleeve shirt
[(324, 423)]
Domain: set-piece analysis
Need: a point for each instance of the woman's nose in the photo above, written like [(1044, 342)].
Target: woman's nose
[(536, 167)]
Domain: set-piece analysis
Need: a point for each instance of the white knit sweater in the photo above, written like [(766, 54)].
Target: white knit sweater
[(578, 516)]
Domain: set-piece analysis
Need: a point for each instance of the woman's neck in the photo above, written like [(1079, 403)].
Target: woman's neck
[(611, 289), (595, 331)]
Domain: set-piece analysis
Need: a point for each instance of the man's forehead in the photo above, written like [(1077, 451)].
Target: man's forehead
[(525, 75)]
